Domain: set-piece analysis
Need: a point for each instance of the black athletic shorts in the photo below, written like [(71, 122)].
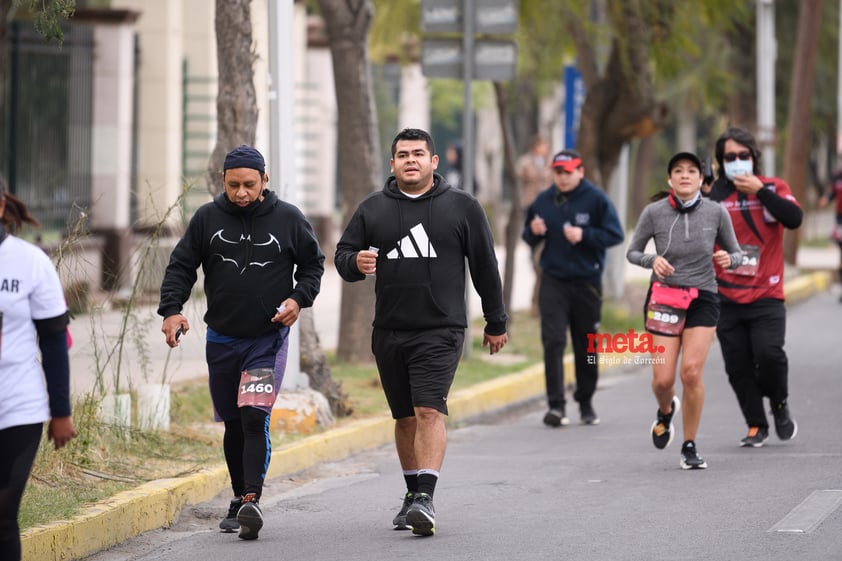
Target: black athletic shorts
[(703, 311), (417, 366)]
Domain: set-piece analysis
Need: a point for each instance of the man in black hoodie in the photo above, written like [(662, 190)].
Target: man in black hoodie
[(416, 234), (262, 264)]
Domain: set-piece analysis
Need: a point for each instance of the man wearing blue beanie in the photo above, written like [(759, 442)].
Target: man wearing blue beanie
[(245, 157), (262, 263)]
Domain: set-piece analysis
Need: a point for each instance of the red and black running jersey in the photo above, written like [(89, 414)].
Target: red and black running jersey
[(760, 235)]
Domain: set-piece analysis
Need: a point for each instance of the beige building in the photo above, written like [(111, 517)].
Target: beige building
[(154, 122)]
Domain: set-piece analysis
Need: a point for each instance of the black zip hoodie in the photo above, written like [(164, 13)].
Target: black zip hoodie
[(248, 256), (423, 244)]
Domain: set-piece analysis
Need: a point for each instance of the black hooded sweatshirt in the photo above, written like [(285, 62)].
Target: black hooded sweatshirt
[(423, 244), (249, 257)]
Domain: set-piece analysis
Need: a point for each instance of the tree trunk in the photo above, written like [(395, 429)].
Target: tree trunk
[(742, 105), (644, 163), (526, 117), (236, 100), (347, 23), (798, 123), (5, 8), (620, 103), (514, 223), (314, 363)]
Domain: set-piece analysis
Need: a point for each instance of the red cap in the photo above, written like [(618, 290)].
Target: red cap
[(568, 160)]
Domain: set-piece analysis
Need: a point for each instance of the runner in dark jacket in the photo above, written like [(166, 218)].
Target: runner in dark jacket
[(262, 264), (575, 222)]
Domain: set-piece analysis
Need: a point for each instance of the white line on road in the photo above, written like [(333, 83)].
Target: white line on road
[(807, 516)]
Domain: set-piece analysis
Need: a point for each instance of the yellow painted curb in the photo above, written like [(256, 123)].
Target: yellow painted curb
[(497, 393), (331, 445), (804, 286), (152, 505), (157, 504)]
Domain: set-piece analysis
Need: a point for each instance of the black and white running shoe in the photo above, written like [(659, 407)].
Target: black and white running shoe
[(663, 429), (756, 437), (399, 521), (229, 523), (690, 458), (421, 515), (250, 518), (785, 426)]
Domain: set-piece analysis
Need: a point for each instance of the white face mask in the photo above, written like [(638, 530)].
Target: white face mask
[(738, 167)]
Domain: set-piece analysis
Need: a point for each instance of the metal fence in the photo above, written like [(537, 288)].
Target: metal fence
[(46, 148)]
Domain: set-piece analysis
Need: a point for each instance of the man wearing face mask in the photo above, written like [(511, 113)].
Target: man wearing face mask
[(752, 321)]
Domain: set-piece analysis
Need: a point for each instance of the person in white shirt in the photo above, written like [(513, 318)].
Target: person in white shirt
[(34, 319)]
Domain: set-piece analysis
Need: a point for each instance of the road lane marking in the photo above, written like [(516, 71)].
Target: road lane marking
[(807, 516)]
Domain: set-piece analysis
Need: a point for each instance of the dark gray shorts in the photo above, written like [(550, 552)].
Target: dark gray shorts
[(417, 367), (703, 311)]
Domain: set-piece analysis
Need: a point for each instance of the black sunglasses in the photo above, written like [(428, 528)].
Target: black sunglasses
[(731, 156)]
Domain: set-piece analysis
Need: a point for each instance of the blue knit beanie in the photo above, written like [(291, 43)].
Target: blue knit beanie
[(244, 157)]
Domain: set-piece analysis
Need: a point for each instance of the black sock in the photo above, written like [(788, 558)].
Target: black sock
[(411, 482), (427, 483)]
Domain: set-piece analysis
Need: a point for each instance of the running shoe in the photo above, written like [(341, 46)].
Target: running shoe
[(785, 426), (556, 418), (250, 518), (690, 458), (663, 429), (588, 415), (756, 437), (399, 521), (421, 515), (229, 523)]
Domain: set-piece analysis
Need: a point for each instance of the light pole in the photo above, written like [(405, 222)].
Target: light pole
[(767, 54), (282, 140)]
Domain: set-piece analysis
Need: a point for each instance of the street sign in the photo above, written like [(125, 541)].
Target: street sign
[(497, 17), (492, 17), (494, 60), (441, 16)]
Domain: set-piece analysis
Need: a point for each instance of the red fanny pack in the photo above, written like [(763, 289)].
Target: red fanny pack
[(667, 309)]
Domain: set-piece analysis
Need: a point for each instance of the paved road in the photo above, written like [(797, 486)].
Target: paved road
[(514, 490)]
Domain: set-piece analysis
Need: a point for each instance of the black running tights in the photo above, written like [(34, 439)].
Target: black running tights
[(247, 449), (20, 444)]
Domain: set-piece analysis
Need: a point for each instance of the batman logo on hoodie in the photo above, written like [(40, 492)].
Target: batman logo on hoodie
[(241, 252)]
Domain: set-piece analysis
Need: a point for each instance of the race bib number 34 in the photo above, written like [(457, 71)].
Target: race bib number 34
[(257, 388), (750, 261)]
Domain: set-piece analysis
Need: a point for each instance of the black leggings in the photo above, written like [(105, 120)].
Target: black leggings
[(20, 444), (247, 450)]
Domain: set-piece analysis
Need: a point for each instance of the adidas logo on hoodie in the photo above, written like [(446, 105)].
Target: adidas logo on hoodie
[(415, 244)]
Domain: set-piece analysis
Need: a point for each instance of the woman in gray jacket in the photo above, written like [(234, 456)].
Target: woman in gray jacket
[(682, 305)]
